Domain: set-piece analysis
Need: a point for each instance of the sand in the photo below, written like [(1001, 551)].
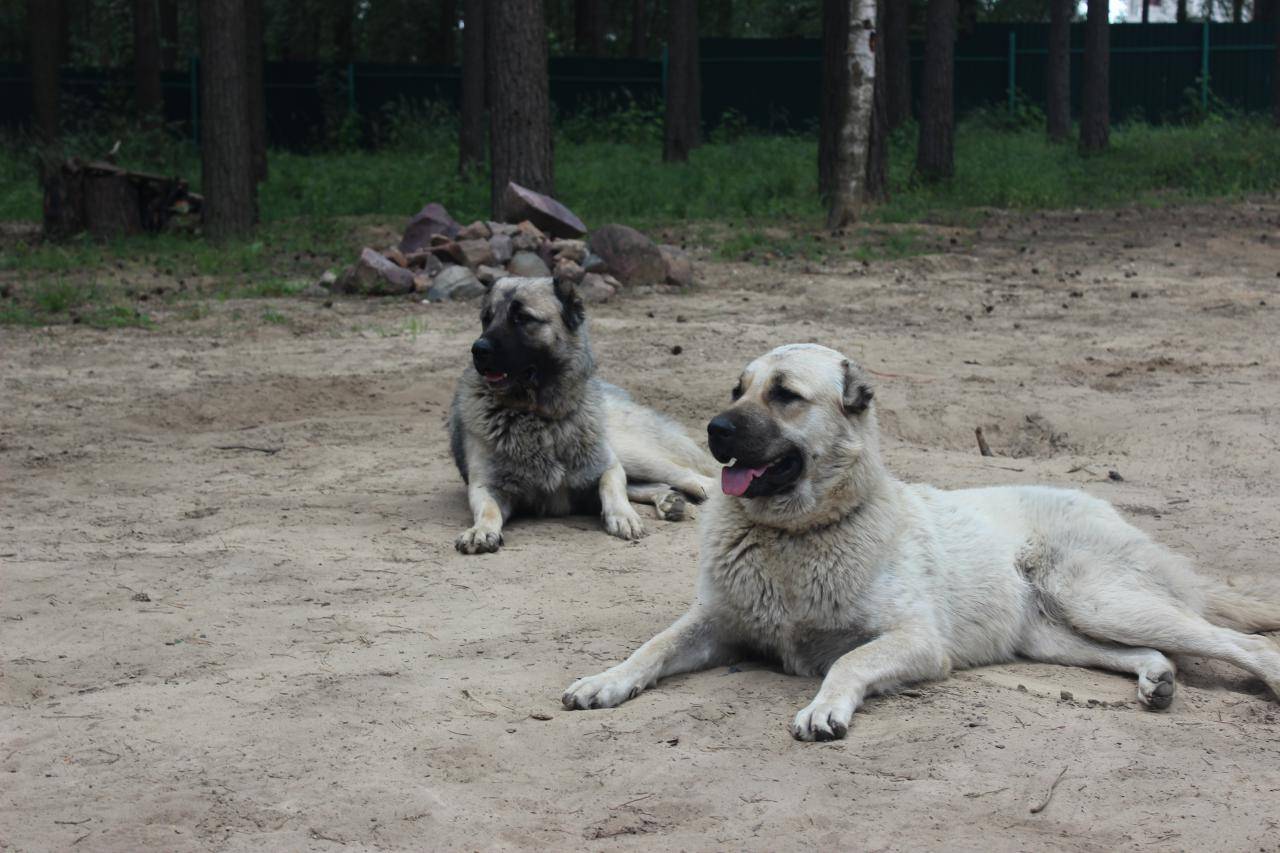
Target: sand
[(232, 617)]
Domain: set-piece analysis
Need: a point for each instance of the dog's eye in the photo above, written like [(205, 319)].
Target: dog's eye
[(736, 392), (783, 395), (521, 319)]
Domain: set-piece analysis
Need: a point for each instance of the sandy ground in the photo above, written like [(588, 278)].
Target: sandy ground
[(205, 646)]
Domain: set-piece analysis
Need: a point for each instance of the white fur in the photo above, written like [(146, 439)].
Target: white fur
[(876, 583)]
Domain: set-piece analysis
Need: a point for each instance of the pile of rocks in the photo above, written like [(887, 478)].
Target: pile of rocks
[(441, 259)]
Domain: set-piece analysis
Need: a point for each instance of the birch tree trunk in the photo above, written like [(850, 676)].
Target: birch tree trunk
[(849, 188)]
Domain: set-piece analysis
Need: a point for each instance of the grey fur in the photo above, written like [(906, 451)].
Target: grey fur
[(568, 442)]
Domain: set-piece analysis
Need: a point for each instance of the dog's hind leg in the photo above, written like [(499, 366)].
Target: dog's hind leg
[(1145, 618), (1052, 642), (667, 502)]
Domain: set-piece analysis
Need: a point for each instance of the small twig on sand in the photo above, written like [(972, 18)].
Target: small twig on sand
[(983, 447), (1049, 796), (270, 451)]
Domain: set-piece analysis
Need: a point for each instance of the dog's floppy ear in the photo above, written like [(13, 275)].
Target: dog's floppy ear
[(571, 308), (857, 391)]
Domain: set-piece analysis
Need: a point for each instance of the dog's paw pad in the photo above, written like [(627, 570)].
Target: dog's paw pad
[(1157, 693), (672, 507)]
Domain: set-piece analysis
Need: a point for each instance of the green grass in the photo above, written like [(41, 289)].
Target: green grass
[(753, 197)]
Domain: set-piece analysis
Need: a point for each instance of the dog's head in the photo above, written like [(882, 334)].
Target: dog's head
[(799, 441), (532, 332)]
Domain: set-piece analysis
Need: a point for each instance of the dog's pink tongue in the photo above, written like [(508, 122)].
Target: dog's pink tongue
[(737, 479)]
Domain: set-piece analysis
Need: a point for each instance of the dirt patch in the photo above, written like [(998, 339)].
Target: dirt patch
[(232, 616)]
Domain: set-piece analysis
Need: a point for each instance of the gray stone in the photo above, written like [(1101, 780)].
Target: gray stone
[(502, 248), (594, 288), (426, 223), (374, 275), (679, 265), (594, 263), (630, 255), (488, 275), (328, 279), (455, 283), (528, 265), (543, 211), (504, 228)]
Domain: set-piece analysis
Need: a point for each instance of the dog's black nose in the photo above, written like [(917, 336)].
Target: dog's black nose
[(720, 428), (482, 351)]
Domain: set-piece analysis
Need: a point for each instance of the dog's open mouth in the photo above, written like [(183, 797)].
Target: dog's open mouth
[(495, 378), (743, 480)]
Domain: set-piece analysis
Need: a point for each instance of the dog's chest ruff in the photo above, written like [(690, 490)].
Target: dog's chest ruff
[(799, 598), (540, 455)]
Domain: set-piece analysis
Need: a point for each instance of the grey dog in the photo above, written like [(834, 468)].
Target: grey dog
[(534, 431)]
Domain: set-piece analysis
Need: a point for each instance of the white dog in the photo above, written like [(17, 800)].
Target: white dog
[(816, 556)]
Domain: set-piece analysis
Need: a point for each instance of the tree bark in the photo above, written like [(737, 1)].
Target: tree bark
[(148, 96), (471, 130), (1263, 10), (851, 165), (45, 33), (1095, 121), (639, 29), (169, 34), (1237, 11), (226, 150), (877, 186), (835, 40), (255, 85), (519, 102), (1180, 15), (895, 45), (1146, 11), (1058, 91), (935, 154), (683, 122)]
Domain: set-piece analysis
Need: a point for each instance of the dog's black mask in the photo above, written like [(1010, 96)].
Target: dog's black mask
[(764, 462)]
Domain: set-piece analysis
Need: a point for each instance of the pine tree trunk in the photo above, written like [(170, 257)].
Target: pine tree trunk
[(1146, 11), (226, 150), (519, 102), (639, 29), (471, 132), (935, 154), (1095, 121), (895, 43), (1058, 91), (169, 34), (849, 180), (1263, 10), (256, 99), (148, 96), (683, 123), (1237, 11), (45, 33), (835, 40), (1180, 16)]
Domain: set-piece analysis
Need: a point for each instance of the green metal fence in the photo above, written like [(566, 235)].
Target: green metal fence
[(1159, 72)]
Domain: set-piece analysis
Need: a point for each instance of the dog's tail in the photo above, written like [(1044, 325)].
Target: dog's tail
[(1231, 608)]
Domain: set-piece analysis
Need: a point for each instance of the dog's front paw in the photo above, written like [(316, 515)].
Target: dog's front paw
[(606, 690), (478, 540), (824, 719), (624, 523)]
